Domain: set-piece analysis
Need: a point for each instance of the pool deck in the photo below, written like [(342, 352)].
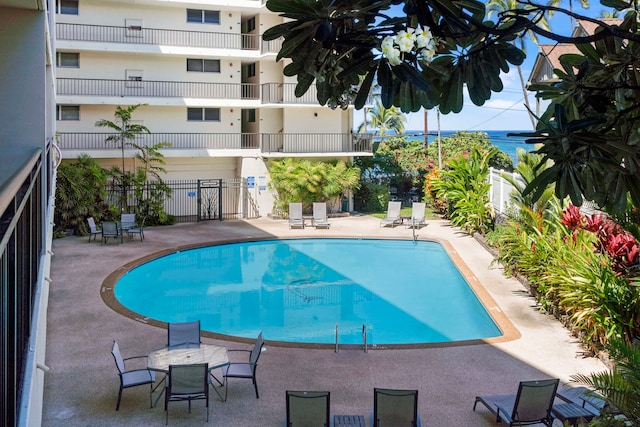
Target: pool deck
[(82, 385)]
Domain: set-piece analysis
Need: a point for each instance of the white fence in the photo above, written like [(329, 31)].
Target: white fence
[(500, 191)]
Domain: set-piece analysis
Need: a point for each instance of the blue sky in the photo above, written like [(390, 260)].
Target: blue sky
[(505, 110)]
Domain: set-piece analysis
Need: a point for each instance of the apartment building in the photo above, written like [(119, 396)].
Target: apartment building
[(211, 85)]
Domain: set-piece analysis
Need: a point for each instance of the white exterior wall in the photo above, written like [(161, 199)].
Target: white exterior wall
[(162, 63)]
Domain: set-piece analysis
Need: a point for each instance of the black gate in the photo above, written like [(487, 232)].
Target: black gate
[(209, 199)]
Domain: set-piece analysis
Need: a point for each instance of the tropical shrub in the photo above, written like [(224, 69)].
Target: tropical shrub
[(80, 193), (371, 197), (464, 185), (461, 143), (307, 182)]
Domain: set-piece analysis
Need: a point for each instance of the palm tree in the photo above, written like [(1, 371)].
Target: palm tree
[(125, 132), (384, 119), (495, 7)]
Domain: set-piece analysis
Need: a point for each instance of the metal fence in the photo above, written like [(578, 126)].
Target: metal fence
[(22, 244), (196, 200)]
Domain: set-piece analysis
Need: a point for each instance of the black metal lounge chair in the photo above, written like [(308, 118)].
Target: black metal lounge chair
[(395, 408), (530, 405)]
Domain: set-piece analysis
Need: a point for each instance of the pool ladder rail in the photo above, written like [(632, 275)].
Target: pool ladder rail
[(364, 339)]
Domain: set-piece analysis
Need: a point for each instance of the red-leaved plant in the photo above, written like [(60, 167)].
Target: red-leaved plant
[(614, 241)]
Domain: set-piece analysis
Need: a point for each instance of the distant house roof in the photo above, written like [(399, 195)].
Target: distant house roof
[(548, 57)]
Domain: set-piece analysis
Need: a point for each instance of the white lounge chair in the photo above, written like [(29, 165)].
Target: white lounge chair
[(417, 215), (295, 215), (320, 215), (393, 215)]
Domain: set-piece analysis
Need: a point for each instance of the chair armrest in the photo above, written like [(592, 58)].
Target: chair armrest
[(564, 398), (134, 357)]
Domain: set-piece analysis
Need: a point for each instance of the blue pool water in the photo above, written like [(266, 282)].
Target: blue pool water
[(297, 290)]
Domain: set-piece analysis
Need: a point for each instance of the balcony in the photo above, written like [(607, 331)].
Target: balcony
[(276, 144), (162, 37), (284, 93), (156, 89)]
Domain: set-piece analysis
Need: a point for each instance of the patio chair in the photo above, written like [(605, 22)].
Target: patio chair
[(530, 405), (110, 231), (397, 408), (94, 230), (187, 382), (183, 334), (393, 215), (307, 409), (417, 215), (127, 221), (136, 230), (246, 369), (295, 215), (133, 377), (320, 215)]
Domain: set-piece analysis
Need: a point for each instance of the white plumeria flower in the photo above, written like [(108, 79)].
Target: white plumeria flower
[(405, 40), (423, 37), (387, 42), (418, 40), (393, 55)]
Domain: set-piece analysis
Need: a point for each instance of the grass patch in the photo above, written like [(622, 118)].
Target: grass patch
[(406, 211)]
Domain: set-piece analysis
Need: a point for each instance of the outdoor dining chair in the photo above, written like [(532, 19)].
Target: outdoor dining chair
[(94, 230), (133, 377), (110, 231), (187, 382), (136, 230), (181, 334), (307, 408), (245, 369)]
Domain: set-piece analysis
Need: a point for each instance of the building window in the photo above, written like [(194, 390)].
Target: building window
[(203, 65), (250, 115), (133, 78), (67, 112), (203, 114), (251, 70), (203, 16), (251, 24), (68, 60), (67, 7)]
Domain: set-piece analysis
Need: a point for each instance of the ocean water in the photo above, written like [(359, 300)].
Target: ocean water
[(499, 138)]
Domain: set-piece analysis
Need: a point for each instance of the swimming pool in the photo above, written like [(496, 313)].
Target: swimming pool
[(297, 290)]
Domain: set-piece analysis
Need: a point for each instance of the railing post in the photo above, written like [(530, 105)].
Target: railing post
[(336, 350), (364, 337)]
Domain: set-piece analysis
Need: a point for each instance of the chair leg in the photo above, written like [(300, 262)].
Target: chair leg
[(255, 384), (119, 397)]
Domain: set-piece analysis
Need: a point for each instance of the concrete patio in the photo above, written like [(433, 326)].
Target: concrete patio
[(82, 385)]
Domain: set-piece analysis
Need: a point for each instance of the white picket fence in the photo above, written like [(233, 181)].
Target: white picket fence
[(501, 188)]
